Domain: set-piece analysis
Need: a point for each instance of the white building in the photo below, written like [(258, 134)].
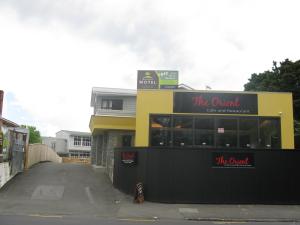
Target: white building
[(70, 143), (59, 145)]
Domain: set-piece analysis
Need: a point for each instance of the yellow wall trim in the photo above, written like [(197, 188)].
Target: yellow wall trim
[(112, 123)]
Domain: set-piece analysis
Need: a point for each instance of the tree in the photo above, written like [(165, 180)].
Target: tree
[(34, 134), (282, 78)]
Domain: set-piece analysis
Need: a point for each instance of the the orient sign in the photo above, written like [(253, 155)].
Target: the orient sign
[(129, 158), (157, 79), (232, 160), (215, 103)]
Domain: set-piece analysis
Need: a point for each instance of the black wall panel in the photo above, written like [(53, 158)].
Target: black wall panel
[(187, 176)]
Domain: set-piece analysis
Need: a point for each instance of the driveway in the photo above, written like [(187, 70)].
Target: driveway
[(60, 189)]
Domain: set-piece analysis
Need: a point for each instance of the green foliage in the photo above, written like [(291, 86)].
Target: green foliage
[(5, 142), (34, 134), (282, 78)]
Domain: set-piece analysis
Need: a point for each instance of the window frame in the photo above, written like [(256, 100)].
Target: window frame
[(171, 129), (76, 140), (86, 141), (109, 104)]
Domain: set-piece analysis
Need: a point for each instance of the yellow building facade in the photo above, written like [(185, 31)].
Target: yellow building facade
[(277, 106)]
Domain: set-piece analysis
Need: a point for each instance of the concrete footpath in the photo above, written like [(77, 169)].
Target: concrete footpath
[(204, 212), (50, 189)]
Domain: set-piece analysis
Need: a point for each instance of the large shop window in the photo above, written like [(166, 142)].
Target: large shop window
[(226, 132), (215, 131), (161, 131), (269, 133), (182, 131), (204, 132), (248, 133)]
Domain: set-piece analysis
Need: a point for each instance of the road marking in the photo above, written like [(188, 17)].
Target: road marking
[(188, 210), (138, 220), (48, 192), (90, 196), (230, 222), (45, 216)]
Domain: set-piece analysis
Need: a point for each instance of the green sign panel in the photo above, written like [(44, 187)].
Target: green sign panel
[(157, 79)]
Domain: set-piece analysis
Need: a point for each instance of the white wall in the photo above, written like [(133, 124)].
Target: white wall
[(4, 173)]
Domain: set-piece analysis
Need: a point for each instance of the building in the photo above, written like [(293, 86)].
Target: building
[(196, 146), (113, 122), (59, 145), (13, 147), (73, 144), (188, 118)]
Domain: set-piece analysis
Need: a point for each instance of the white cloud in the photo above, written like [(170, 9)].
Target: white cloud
[(53, 53)]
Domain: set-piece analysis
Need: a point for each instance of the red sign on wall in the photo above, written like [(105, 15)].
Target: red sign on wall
[(129, 158), (232, 160)]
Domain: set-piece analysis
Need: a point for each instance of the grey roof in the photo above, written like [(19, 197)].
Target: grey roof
[(8, 123), (75, 133), (116, 91)]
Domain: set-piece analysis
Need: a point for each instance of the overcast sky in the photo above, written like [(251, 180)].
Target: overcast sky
[(53, 52)]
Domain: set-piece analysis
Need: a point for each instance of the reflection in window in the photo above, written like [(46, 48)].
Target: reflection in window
[(269, 133), (161, 121), (161, 131), (160, 137), (248, 133), (226, 132), (183, 131), (204, 132), (214, 131)]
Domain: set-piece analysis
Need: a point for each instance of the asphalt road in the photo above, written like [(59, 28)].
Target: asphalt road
[(64, 220)]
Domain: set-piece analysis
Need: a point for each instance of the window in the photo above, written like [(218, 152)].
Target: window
[(112, 104), (53, 145), (269, 129), (183, 131), (226, 132), (248, 132), (126, 140), (79, 154), (215, 131), (161, 131), (204, 131), (161, 122), (77, 141), (86, 141)]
